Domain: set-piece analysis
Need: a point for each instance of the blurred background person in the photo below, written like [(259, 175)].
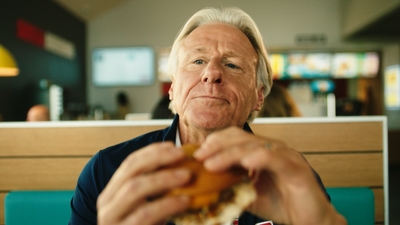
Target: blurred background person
[(38, 113), (123, 107), (279, 103), (161, 110)]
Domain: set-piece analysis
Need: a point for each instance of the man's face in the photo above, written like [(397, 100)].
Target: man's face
[(215, 83)]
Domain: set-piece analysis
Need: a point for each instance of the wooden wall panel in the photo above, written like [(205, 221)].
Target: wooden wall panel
[(40, 173), (348, 170), (88, 140), (336, 170), (2, 196), (65, 141), (326, 137), (379, 204), (345, 154)]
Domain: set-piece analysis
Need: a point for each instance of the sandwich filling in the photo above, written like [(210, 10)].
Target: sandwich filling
[(230, 205)]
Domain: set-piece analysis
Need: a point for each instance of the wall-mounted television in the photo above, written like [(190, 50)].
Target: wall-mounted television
[(123, 66)]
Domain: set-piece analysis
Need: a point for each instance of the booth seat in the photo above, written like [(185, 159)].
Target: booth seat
[(53, 207), (355, 204), (37, 207)]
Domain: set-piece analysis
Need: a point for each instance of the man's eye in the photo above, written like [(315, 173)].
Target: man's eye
[(199, 61), (233, 66)]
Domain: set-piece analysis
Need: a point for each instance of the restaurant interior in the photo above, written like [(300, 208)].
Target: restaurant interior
[(338, 58)]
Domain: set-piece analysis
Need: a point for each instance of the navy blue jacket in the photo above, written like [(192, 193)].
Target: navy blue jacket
[(101, 167)]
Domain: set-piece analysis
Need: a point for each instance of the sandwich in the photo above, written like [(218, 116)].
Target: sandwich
[(216, 198)]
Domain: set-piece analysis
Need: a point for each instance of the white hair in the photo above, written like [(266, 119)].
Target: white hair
[(242, 21)]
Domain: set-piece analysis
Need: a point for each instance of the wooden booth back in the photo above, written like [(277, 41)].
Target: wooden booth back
[(346, 152)]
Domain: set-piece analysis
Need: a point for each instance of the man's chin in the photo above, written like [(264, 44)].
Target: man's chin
[(212, 121)]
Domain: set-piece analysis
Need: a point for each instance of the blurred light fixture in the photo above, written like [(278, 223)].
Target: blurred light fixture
[(8, 66)]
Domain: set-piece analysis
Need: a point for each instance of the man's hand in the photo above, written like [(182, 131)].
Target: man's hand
[(287, 189), (125, 200)]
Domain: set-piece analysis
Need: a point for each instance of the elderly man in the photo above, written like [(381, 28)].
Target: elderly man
[(220, 75)]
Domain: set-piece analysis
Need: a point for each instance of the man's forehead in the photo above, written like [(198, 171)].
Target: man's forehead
[(199, 49), (193, 49), (225, 38), (211, 31), (200, 45)]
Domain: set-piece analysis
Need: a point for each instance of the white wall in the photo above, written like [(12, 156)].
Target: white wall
[(156, 23), (357, 14)]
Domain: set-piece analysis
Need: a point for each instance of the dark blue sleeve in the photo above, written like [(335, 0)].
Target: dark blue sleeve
[(101, 167), (83, 203)]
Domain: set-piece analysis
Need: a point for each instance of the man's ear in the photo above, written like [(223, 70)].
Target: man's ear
[(260, 99), (171, 91)]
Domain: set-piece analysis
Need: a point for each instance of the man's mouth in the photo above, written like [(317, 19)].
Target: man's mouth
[(212, 99)]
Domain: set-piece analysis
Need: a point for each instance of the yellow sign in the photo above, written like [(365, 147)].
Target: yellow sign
[(392, 86)]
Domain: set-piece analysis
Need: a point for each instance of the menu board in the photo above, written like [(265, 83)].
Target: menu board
[(324, 65), (314, 65), (278, 63), (350, 65)]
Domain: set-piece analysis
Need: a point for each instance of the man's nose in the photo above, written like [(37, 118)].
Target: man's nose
[(213, 73)]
